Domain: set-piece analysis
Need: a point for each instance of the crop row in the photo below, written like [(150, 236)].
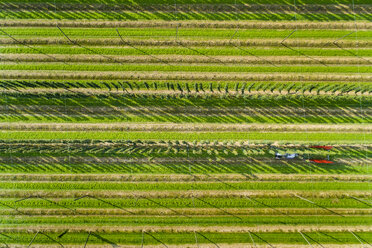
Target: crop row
[(360, 196), (242, 44), (120, 117), (171, 16), (197, 87), (184, 75), (191, 127), (184, 68), (182, 59), (302, 25), (190, 202), (212, 167), (148, 186), (177, 221), (137, 149), (198, 33), (180, 50), (303, 115), (164, 100), (252, 136), (181, 8), (150, 2), (192, 212), (189, 238), (183, 178)]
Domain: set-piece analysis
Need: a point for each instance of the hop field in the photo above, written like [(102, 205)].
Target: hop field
[(152, 123)]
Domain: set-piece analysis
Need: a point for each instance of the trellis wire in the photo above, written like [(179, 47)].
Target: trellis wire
[(140, 50), (241, 49), (88, 49), (356, 236), (307, 241), (250, 236), (155, 238), (47, 200), (329, 210), (46, 235), (99, 199), (32, 48), (32, 240)]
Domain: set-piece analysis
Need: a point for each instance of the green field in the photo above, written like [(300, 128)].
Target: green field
[(153, 123)]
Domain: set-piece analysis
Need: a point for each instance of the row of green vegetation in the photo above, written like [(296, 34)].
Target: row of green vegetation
[(308, 186), (117, 148), (188, 202), (210, 167), (176, 221), (193, 68), (159, 238), (197, 33), (77, 116), (171, 16), (196, 87), (180, 50), (168, 100), (205, 108), (192, 136)]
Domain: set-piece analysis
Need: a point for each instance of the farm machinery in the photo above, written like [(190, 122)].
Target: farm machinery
[(290, 156)]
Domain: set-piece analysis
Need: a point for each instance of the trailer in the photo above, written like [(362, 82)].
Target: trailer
[(322, 147), (321, 161)]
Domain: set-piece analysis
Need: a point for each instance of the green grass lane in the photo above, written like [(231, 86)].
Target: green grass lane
[(182, 118), (312, 186), (189, 238), (189, 136), (199, 202), (181, 221), (178, 50), (170, 16), (184, 168), (183, 67), (197, 33)]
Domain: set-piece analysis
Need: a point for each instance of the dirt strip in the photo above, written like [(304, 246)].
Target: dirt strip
[(249, 60), (185, 178), (343, 25), (193, 42), (286, 112)]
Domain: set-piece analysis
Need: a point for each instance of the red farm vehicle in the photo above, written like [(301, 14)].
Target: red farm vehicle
[(322, 147), (322, 161)]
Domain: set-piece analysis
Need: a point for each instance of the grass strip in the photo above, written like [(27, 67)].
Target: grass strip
[(254, 136)]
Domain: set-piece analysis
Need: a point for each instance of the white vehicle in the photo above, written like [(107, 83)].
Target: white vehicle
[(278, 155), (291, 155), (287, 155)]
